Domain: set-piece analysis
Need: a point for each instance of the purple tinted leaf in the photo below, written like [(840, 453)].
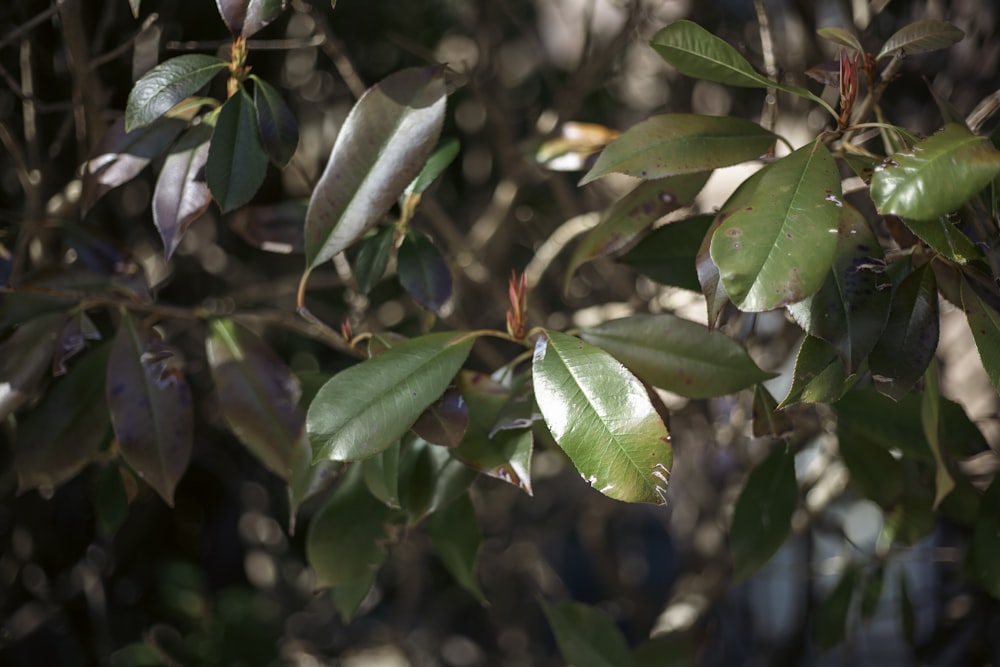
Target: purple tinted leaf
[(278, 129), (167, 84), (445, 421), (182, 194), (247, 17), (237, 161), (120, 156), (150, 405), (423, 272), (72, 340), (25, 355)]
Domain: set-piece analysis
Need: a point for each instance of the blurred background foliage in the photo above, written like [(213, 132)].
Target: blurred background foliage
[(100, 571)]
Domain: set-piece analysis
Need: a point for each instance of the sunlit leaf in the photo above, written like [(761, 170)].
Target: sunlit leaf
[(668, 254), (64, 432), (586, 636), (373, 257), (633, 213), (381, 148), (673, 144), (246, 17), (348, 536), (134, 6), (935, 176), (921, 37), (779, 246), (364, 409), (182, 194), (942, 235), (763, 513), (842, 37), (120, 156), (167, 84), (818, 376), (381, 474), (429, 478), (445, 421), (455, 533), (985, 325), (910, 337), (278, 129), (423, 272), (25, 356), (678, 355), (271, 227), (237, 161), (986, 540), (439, 160), (151, 408), (930, 417), (575, 147), (258, 395), (601, 416)]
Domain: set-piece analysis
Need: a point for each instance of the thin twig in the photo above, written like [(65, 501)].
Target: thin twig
[(334, 50), (125, 46), (30, 24)]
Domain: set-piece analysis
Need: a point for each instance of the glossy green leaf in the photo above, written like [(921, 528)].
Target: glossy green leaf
[(930, 417), (910, 337), (167, 84), (601, 416), (850, 309), (762, 516), (831, 619), (151, 408), (373, 257), (348, 536), (381, 474), (936, 176), (921, 37), (674, 144), (423, 272), (633, 213), (984, 322), (120, 156), (818, 376), (778, 247), (944, 236), (59, 436), (258, 395), (678, 355), (986, 540), (279, 131), (439, 160), (246, 17), (586, 636), (364, 409), (429, 478), (842, 37), (237, 161), (445, 421), (182, 194), (309, 479), (273, 228), (455, 533), (767, 420), (668, 254), (381, 148), (25, 357)]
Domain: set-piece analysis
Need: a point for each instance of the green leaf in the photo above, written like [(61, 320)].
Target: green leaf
[(110, 500), (429, 478), (349, 597), (586, 636), (986, 540), (167, 84), (25, 357), (674, 144), (874, 471), (364, 409), (182, 194), (831, 618), (151, 407), (443, 155), (850, 309), (631, 214), (818, 376), (59, 436), (258, 396), (910, 337), (930, 417), (373, 257), (678, 355), (709, 277), (894, 426), (423, 271), (455, 533), (763, 513), (601, 416), (278, 130), (778, 248), (942, 235), (921, 37), (768, 421), (936, 176), (676, 649), (842, 37), (347, 537), (984, 322), (381, 148), (381, 474), (246, 17), (667, 255), (237, 161)]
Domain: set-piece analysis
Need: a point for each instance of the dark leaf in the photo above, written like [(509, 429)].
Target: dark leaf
[(942, 235), (381, 474), (182, 194), (429, 478), (72, 340), (111, 500), (237, 161), (930, 417), (768, 421), (831, 620), (271, 227), (443, 155), (586, 636), (278, 129), (423, 272), (455, 534), (984, 322), (818, 376), (893, 426), (167, 84), (25, 356), (986, 540), (668, 254), (445, 421), (763, 513), (373, 257)]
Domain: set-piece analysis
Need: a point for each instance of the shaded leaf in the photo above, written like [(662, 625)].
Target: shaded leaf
[(150, 405), (709, 277), (631, 214), (842, 37), (181, 193), (668, 254), (19, 307), (120, 156), (59, 436), (373, 257), (762, 516), (381, 148), (767, 420), (309, 479), (237, 161), (364, 409), (455, 533), (110, 500), (271, 227), (831, 618), (930, 418), (348, 598), (912, 518), (874, 471), (586, 636), (443, 155), (445, 421), (921, 37), (943, 236), (779, 246), (818, 376), (25, 356), (429, 478), (423, 272), (678, 355), (871, 592), (674, 144), (381, 474), (894, 426), (72, 340), (246, 17), (986, 540), (279, 131), (601, 416), (258, 395), (910, 337), (985, 325), (676, 649), (936, 176), (167, 84)]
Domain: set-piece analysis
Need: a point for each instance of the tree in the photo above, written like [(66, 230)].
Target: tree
[(378, 406)]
